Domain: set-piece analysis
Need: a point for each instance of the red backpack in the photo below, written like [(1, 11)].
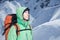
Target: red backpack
[(11, 19)]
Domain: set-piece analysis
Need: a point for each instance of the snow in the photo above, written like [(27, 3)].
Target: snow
[(49, 30)]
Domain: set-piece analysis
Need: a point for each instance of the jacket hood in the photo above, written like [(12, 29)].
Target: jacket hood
[(20, 20)]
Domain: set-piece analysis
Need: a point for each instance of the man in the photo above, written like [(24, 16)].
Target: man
[(25, 32)]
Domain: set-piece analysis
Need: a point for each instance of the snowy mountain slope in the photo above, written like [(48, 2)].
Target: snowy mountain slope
[(44, 16), (56, 15), (49, 30), (10, 7)]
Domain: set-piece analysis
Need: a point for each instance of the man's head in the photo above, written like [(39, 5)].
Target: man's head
[(26, 14), (23, 16)]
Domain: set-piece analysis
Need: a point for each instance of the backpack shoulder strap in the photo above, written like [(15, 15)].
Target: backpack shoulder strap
[(17, 28), (9, 26)]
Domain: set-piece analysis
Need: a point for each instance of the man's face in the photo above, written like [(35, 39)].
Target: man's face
[(26, 15)]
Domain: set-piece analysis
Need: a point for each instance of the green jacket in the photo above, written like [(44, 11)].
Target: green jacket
[(24, 35)]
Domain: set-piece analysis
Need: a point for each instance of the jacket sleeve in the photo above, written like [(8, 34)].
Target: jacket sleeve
[(12, 34)]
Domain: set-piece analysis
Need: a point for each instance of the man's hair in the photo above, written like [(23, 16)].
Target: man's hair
[(27, 9)]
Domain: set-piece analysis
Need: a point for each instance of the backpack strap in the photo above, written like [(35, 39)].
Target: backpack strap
[(6, 29), (17, 28), (25, 29)]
